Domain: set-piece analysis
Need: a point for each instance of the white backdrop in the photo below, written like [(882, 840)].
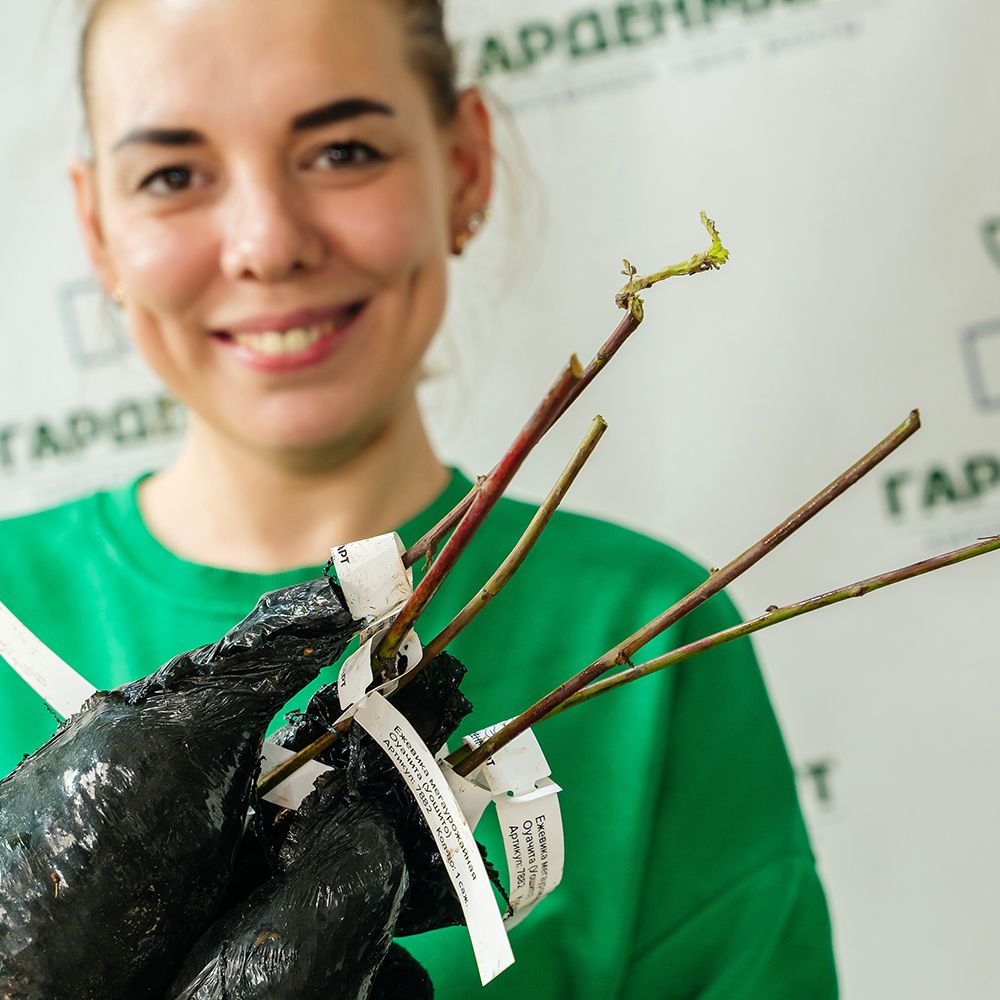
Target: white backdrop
[(847, 149)]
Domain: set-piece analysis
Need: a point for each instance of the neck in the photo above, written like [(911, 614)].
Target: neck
[(222, 505)]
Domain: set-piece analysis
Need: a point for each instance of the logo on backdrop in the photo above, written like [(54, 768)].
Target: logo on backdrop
[(981, 351), (955, 500), (981, 342), (952, 501), (942, 485), (991, 238), (686, 35), (93, 330), (82, 431)]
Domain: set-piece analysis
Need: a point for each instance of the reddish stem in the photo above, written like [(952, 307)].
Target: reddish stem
[(427, 546), (489, 492)]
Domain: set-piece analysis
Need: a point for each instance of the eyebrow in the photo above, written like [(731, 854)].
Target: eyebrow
[(327, 114), (338, 111), (159, 137)]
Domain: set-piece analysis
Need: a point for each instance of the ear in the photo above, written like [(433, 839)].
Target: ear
[(472, 161), (84, 178)]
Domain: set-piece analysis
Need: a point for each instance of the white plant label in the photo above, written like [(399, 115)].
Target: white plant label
[(517, 766), (532, 829), (356, 673), (290, 793), (473, 799), (452, 834), (527, 803), (372, 575)]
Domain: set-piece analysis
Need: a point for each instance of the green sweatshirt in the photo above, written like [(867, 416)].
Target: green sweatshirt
[(688, 869)]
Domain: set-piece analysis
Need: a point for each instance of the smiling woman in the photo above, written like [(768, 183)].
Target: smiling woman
[(280, 248), (274, 192)]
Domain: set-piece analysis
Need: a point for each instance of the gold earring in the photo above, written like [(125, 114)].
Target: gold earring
[(118, 295), (472, 226)]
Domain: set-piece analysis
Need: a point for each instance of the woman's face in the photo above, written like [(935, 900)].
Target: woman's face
[(275, 198)]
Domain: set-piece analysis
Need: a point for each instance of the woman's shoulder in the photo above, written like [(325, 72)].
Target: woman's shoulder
[(45, 527), (53, 522), (57, 535)]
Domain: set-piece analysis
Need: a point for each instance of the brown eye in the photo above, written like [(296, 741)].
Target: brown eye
[(168, 180), (348, 154)]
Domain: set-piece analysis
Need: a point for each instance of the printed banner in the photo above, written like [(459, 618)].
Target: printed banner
[(848, 151)]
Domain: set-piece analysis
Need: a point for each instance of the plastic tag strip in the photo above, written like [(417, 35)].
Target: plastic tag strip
[(375, 584), (54, 680)]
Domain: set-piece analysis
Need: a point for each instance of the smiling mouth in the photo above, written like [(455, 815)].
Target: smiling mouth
[(293, 341)]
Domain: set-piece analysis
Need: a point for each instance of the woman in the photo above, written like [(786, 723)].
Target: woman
[(274, 192)]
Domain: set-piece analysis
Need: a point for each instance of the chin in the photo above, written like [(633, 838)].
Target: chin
[(310, 435)]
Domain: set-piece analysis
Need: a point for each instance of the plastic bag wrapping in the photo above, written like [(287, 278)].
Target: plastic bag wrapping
[(355, 865), (117, 837), (402, 977), (324, 928), (434, 706)]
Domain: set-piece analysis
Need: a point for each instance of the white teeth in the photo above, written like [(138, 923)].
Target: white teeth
[(272, 343), (299, 340), (294, 341)]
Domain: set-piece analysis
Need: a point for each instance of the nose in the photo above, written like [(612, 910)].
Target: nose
[(267, 234)]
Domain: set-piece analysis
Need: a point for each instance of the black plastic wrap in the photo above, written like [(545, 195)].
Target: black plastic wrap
[(321, 930), (352, 861), (117, 837), (402, 977), (434, 706)]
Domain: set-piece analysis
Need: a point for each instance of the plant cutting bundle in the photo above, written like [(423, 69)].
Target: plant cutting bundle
[(352, 868), (130, 865)]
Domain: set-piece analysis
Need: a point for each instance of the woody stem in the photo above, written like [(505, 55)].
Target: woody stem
[(628, 299), (466, 762), (776, 615), (519, 553)]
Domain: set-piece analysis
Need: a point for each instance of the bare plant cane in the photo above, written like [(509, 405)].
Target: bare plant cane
[(559, 398), (628, 299), (775, 615), (489, 492), (493, 586), (472, 510), (465, 760), (518, 554)]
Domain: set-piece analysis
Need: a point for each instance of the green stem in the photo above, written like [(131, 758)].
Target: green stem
[(384, 656), (709, 260), (774, 615), (519, 553), (622, 654)]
